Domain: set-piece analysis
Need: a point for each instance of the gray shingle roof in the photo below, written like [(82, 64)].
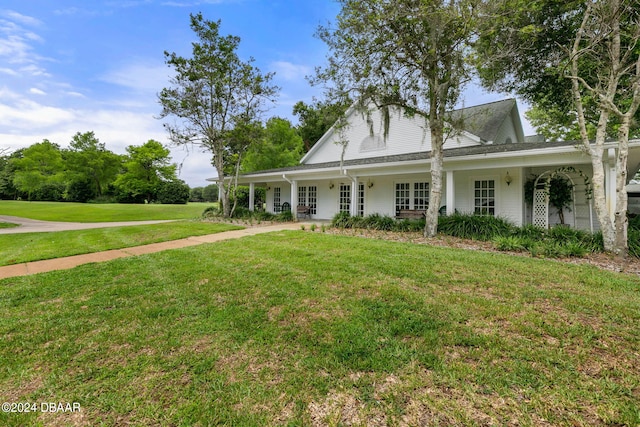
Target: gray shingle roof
[(424, 155), (484, 120)]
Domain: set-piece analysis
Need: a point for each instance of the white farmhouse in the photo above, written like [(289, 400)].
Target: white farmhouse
[(357, 169)]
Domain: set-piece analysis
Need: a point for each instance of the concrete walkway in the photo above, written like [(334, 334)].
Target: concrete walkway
[(76, 260), (26, 225)]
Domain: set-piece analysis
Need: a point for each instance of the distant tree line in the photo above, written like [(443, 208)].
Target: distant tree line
[(87, 171)]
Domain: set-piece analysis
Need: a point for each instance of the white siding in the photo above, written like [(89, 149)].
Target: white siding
[(406, 135), (508, 197)]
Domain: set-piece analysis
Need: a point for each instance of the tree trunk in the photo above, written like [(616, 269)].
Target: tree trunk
[(435, 196), (224, 191), (620, 217), (600, 202)]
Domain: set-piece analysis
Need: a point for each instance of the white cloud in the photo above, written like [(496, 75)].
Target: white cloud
[(18, 17), (30, 116), (8, 71), (289, 71), (16, 42), (36, 91), (74, 94), (24, 122), (141, 76)]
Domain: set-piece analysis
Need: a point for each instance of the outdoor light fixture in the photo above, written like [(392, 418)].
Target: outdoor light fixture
[(369, 184), (331, 185), (508, 179)]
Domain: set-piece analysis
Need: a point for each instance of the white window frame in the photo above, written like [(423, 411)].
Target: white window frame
[(402, 195), (426, 188), (485, 198), (308, 196), (344, 197), (277, 197), (360, 199), (409, 194)]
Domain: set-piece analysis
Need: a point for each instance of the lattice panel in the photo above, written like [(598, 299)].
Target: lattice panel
[(540, 208)]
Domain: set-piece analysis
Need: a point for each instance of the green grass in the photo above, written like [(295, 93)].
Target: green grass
[(7, 225), (297, 328), (85, 212), (26, 247)]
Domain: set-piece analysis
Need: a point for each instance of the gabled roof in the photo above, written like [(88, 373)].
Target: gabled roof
[(481, 121), (484, 120)]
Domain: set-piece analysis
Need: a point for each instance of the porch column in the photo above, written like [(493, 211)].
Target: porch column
[(252, 202), (451, 193), (294, 199), (354, 196), (610, 182)]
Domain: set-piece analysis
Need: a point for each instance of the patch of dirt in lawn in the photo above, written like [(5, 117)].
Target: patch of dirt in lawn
[(601, 260)]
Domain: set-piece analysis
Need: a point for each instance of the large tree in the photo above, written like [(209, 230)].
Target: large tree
[(281, 146), (316, 118), (410, 55), (582, 58), (88, 160), (214, 92), (147, 167), (39, 165), (7, 170)]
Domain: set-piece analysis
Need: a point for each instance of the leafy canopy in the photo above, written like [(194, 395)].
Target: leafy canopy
[(281, 146), (215, 97)]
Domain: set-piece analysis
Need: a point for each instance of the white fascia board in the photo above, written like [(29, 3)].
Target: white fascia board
[(549, 153)]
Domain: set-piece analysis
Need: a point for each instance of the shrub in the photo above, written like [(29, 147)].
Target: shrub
[(513, 243), (381, 222), (210, 212), (633, 240), (80, 191), (341, 220), (566, 234), (264, 216), (51, 192), (173, 193), (241, 212), (210, 193), (555, 249), (530, 231), (574, 249), (195, 195), (286, 216), (476, 227)]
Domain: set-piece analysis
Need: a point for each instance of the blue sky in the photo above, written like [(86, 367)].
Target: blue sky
[(69, 66)]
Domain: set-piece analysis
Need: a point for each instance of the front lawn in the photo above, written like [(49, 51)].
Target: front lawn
[(26, 247), (298, 328), (110, 212)]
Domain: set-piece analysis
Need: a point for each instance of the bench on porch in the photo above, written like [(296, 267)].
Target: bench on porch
[(410, 214), (304, 211)]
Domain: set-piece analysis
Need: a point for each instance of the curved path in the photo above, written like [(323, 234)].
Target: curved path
[(26, 225), (34, 267)]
